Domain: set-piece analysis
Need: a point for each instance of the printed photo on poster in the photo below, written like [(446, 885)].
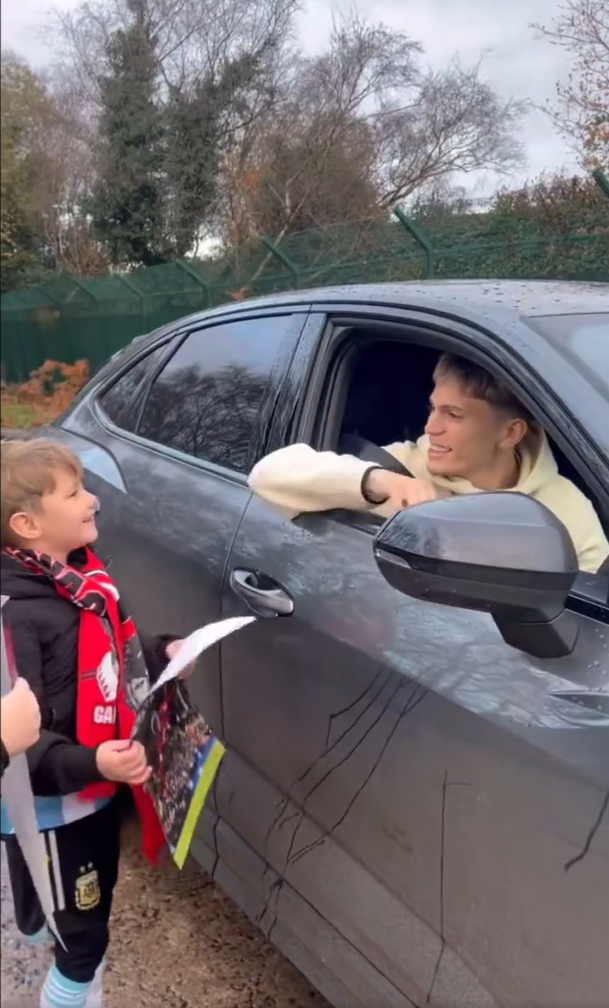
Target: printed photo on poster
[(184, 756)]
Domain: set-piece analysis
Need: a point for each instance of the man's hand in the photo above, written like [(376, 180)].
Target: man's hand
[(123, 762), (20, 718), (383, 486)]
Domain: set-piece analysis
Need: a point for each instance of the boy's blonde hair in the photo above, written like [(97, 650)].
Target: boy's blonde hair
[(28, 472)]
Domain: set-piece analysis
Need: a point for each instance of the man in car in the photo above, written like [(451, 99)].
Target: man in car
[(478, 438)]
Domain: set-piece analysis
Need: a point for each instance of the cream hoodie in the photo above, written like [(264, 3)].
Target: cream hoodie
[(298, 479)]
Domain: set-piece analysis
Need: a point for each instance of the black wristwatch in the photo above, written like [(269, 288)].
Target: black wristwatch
[(364, 487), (5, 756)]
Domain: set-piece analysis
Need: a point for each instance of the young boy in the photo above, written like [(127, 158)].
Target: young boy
[(72, 642)]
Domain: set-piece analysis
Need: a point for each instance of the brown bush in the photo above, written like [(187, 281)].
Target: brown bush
[(49, 391)]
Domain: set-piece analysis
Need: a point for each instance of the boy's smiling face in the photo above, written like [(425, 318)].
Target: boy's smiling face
[(64, 521)]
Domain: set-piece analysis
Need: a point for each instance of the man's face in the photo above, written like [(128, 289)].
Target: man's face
[(466, 435)]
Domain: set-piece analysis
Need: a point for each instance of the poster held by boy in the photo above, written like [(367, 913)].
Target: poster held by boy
[(180, 746)]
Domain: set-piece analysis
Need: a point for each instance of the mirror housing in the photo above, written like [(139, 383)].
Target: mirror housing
[(503, 553)]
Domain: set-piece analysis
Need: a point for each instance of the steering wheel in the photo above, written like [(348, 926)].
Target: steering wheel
[(368, 451)]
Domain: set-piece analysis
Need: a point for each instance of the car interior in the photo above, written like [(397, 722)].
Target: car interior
[(385, 398)]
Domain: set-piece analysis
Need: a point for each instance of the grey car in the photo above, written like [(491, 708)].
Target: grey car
[(413, 806)]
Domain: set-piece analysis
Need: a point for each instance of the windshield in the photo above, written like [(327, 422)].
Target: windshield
[(584, 338)]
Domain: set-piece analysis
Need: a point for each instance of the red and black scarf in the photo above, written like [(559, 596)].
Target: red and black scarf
[(110, 664)]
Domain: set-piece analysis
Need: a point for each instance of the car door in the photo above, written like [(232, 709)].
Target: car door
[(418, 816), (174, 436)]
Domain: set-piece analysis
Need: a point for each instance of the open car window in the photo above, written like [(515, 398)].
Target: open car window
[(381, 395)]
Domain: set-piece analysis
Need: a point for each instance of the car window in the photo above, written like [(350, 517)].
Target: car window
[(584, 338), (120, 401), (206, 400)]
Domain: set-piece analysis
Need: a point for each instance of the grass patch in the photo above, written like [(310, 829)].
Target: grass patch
[(16, 415)]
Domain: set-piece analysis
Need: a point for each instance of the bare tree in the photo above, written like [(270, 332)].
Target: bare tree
[(62, 181), (303, 141), (581, 28), (311, 159), (359, 128), (215, 64), (454, 124), (56, 168), (195, 38)]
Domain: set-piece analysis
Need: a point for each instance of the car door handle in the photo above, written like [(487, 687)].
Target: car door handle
[(262, 594)]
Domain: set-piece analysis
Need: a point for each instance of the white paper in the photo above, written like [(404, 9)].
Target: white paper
[(18, 799), (198, 642)]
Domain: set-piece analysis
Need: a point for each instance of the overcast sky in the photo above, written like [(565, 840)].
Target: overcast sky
[(516, 64)]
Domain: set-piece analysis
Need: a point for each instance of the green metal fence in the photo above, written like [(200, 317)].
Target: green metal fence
[(71, 319)]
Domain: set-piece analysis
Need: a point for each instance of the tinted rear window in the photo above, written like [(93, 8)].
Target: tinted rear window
[(207, 400)]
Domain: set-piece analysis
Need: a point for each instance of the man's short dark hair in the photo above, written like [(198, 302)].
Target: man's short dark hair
[(478, 383)]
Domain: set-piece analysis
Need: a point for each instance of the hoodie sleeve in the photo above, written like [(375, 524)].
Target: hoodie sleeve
[(580, 519), (60, 766), (57, 765), (587, 533), (300, 479)]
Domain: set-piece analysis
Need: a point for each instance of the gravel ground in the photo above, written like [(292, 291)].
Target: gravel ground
[(177, 942)]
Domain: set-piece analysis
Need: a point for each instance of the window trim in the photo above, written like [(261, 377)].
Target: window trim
[(115, 376), (174, 340), (165, 451), (114, 379), (459, 337)]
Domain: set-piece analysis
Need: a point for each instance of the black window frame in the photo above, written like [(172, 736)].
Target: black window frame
[(142, 392)]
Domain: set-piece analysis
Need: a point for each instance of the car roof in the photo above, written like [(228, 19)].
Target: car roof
[(475, 299)]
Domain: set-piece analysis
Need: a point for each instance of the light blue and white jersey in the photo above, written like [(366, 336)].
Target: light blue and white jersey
[(56, 811)]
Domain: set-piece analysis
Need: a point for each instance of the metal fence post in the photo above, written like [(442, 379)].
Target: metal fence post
[(131, 286), (601, 180), (56, 301), (128, 284), (283, 258), (420, 238), (83, 285), (195, 276)]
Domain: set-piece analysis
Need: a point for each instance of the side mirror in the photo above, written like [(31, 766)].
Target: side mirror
[(502, 553)]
